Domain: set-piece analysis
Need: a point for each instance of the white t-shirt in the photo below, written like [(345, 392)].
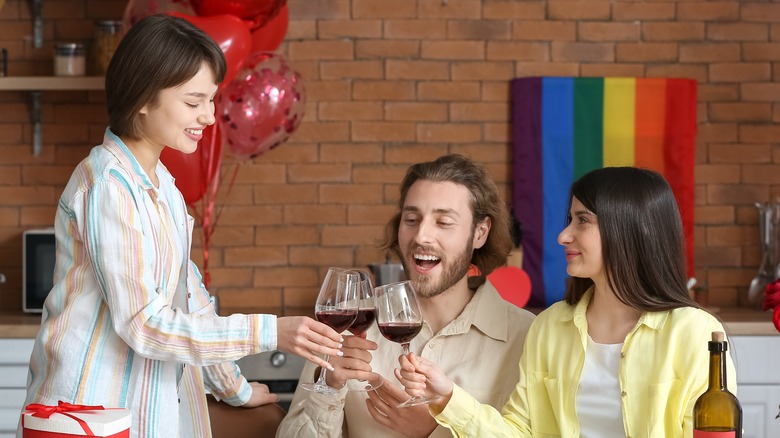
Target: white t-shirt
[(598, 398)]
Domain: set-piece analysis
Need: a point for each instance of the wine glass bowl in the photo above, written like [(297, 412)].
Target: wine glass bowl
[(399, 319), (365, 317), (337, 307)]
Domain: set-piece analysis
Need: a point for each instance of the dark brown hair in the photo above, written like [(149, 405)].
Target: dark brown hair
[(158, 52), (642, 241), (485, 202)]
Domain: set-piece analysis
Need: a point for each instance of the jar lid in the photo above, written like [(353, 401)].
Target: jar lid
[(69, 48), (109, 25)]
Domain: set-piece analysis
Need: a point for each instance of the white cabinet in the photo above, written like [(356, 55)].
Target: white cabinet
[(757, 359), (14, 359)]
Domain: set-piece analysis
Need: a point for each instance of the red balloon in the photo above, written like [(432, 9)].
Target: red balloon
[(192, 171), (259, 11), (268, 37), (135, 10), (512, 283), (230, 33), (262, 106)]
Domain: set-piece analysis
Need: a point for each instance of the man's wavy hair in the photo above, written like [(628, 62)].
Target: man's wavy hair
[(485, 202)]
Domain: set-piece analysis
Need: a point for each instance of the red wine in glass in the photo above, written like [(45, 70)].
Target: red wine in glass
[(338, 320), (400, 332), (365, 317)]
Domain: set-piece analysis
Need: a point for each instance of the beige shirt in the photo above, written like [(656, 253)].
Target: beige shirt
[(479, 350)]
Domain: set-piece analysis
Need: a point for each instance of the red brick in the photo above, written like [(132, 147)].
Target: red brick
[(274, 194), (733, 153), (751, 11), (499, 132), (448, 91), (448, 133), (313, 256), (241, 298), (301, 29), (382, 9), (718, 256), (409, 154), (646, 52), (383, 90), (319, 10), (718, 174), (231, 277), (760, 174), (251, 215), (740, 72), (327, 29), (717, 132), (350, 110), (454, 9), (350, 194), (453, 50), (328, 49), (351, 70), (326, 131), (285, 276), (28, 195), (529, 69), (714, 215), (495, 91), (709, 52), (737, 32), (628, 11), (350, 234), (370, 214), (251, 173), (736, 194), (479, 112), (761, 52), (690, 71), (759, 133), (351, 152), (415, 29), (422, 70), (383, 131), (254, 256), (514, 9), (718, 93), (229, 236), (314, 214), (327, 90), (37, 216), (613, 70), (709, 11), (729, 235), (46, 175), (740, 112), (384, 49), (286, 235), (470, 71), (9, 216), (608, 31), (673, 31), (575, 10), (316, 172), (385, 173), (582, 52), (761, 91), (544, 30), (416, 111), (517, 51), (479, 29)]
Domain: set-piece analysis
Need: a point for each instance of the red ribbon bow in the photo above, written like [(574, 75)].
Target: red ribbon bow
[(45, 411), (772, 301)]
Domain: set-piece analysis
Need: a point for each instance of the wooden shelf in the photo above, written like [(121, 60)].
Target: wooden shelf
[(38, 83)]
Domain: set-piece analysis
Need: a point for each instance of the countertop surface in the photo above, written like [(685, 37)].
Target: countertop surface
[(738, 321)]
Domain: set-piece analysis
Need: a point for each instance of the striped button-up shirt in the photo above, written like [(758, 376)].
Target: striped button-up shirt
[(128, 322)]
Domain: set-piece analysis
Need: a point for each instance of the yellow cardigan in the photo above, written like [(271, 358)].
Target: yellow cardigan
[(664, 368)]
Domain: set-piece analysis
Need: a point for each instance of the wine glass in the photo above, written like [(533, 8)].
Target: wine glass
[(399, 319), (365, 317), (337, 307)]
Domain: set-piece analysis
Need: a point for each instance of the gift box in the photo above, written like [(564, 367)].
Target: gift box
[(68, 420)]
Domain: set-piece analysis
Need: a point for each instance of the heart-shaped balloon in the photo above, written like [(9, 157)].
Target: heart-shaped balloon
[(232, 35), (258, 11)]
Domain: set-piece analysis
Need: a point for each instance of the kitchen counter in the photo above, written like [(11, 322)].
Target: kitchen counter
[(738, 321)]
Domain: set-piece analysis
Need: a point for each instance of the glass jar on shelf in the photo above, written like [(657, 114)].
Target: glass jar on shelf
[(107, 36), (69, 59)]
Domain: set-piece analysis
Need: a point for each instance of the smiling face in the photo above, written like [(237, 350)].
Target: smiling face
[(582, 242), (436, 235), (177, 117)]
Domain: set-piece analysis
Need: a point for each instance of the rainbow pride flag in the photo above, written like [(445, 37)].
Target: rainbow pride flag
[(565, 127)]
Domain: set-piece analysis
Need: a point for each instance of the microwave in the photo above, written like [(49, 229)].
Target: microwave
[(38, 257)]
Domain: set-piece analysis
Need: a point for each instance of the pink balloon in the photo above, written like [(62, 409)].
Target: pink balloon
[(262, 106)]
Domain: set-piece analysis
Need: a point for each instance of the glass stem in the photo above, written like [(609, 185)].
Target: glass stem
[(323, 370)]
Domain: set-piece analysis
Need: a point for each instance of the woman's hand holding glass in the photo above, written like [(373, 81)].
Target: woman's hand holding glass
[(337, 307), (307, 338)]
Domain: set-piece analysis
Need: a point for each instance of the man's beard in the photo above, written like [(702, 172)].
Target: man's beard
[(451, 273)]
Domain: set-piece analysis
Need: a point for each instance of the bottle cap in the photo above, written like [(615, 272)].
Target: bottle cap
[(718, 336), (718, 343)]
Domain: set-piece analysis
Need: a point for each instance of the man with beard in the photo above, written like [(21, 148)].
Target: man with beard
[(450, 217)]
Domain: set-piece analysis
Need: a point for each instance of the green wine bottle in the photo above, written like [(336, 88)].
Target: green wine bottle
[(717, 413)]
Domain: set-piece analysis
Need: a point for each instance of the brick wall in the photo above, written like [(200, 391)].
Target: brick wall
[(394, 82)]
